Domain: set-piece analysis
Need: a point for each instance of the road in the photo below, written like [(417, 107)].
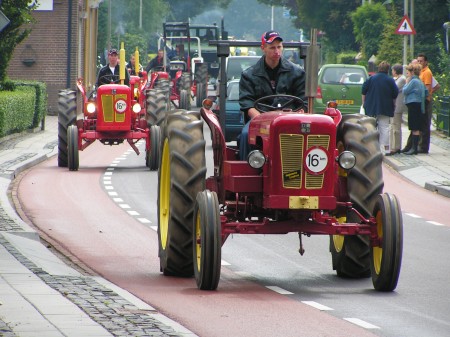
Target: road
[(104, 215)]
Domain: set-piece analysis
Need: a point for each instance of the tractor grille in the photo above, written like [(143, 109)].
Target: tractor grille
[(109, 114), (315, 181), (291, 146)]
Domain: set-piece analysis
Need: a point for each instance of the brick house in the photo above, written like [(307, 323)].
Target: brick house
[(51, 53)]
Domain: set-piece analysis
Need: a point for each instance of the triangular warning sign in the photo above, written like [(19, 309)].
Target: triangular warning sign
[(405, 27)]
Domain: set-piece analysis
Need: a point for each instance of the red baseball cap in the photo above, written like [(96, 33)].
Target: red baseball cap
[(269, 37)]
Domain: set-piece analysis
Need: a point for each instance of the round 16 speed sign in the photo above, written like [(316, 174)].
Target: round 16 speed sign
[(316, 160)]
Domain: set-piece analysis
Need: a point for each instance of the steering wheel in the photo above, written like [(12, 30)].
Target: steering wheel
[(109, 78), (279, 102)]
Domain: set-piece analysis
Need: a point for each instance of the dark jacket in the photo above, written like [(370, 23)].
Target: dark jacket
[(255, 83), (381, 91), (102, 77)]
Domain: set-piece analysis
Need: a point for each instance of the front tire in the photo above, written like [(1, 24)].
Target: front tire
[(156, 107), (207, 241), (184, 102), (72, 148), (153, 156), (181, 176), (358, 133), (386, 260)]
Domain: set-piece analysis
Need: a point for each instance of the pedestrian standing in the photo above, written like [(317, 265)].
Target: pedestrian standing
[(414, 93), (426, 76), (378, 95), (400, 107)]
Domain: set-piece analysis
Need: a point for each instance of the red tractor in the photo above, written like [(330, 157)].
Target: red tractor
[(112, 114), (314, 174)]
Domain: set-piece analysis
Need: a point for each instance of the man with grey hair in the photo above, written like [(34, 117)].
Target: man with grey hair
[(378, 95)]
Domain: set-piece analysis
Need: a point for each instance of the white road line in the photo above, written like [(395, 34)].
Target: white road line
[(112, 194), (316, 305), (110, 169), (155, 228), (107, 182), (144, 220), (279, 290), (361, 323), (124, 206), (107, 178), (118, 199), (108, 173), (109, 188), (435, 223), (412, 215), (224, 263), (133, 213)]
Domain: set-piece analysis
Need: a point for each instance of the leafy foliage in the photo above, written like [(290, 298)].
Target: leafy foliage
[(19, 14), (391, 45), (368, 25)]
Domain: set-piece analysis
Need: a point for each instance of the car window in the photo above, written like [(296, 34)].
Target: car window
[(343, 75), (233, 91)]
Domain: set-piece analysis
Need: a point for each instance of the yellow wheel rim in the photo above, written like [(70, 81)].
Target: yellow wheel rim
[(198, 233), (338, 240), (164, 195), (378, 251)]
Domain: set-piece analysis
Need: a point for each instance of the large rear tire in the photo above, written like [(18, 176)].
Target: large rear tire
[(153, 156), (358, 133), (386, 260), (207, 241), (156, 107), (181, 176), (67, 115), (72, 148)]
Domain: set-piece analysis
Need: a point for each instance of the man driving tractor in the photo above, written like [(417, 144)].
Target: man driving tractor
[(110, 73), (271, 75)]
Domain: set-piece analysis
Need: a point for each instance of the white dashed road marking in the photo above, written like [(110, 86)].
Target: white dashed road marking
[(361, 323), (316, 305), (279, 290)]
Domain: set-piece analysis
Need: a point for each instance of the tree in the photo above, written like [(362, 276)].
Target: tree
[(368, 25), (391, 45), (19, 14)]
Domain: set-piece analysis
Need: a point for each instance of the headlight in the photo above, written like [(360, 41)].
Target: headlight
[(256, 159), (136, 108), (346, 160), (90, 107)]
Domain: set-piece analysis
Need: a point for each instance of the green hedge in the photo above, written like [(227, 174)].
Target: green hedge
[(24, 108)]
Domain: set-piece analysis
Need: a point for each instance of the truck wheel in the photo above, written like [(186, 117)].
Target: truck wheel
[(201, 79), (67, 115), (72, 148), (156, 107), (152, 157), (386, 260), (181, 176), (358, 133), (207, 241), (184, 100)]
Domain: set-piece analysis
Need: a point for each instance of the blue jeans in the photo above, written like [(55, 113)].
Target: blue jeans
[(244, 146)]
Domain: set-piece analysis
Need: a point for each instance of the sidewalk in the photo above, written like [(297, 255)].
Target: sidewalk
[(41, 296)]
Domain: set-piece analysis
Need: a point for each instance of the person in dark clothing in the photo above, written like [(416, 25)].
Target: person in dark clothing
[(131, 67), (111, 72), (157, 62), (378, 95), (271, 75)]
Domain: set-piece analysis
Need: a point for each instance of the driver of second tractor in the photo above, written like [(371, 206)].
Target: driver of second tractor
[(271, 75), (111, 72)]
